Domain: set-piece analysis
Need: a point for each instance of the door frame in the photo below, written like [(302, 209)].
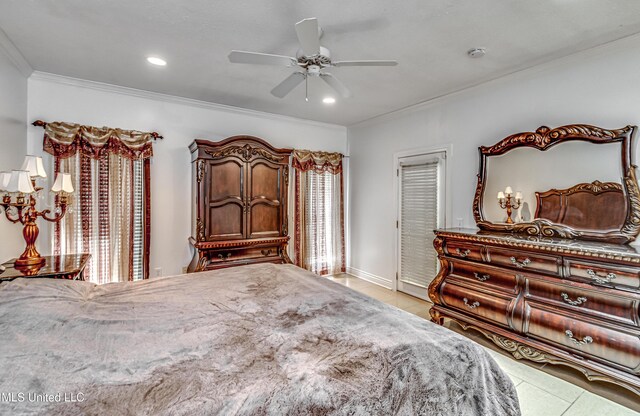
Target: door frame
[(447, 149)]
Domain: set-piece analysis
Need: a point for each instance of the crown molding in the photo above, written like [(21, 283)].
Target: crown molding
[(174, 99), (15, 56)]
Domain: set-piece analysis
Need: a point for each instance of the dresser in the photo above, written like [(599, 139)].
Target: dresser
[(545, 299), (239, 204)]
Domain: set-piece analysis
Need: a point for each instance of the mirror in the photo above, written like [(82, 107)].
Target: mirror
[(575, 181)]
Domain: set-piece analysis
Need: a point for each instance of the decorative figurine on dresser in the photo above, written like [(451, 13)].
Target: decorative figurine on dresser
[(239, 215), (564, 286)]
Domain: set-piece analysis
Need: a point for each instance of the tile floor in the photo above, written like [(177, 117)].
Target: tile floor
[(543, 390)]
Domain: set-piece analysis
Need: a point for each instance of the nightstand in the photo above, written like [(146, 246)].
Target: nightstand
[(70, 267)]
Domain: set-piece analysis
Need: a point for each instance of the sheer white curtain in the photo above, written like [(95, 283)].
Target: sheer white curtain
[(319, 212), (110, 212)]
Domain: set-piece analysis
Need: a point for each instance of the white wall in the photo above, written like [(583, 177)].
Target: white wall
[(600, 86), (13, 142), (180, 121)]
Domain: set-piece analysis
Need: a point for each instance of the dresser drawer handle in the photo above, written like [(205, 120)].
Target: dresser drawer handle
[(586, 340), (520, 264), (599, 278), (470, 305), (576, 302), (482, 277), (265, 253), (221, 257), (463, 253)]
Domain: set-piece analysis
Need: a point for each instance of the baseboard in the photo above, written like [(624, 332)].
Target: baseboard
[(361, 274)]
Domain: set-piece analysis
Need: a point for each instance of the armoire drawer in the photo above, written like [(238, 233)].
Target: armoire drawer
[(226, 255), (464, 250), (581, 299), (609, 343), (525, 261), (603, 274), (491, 277), (485, 306)]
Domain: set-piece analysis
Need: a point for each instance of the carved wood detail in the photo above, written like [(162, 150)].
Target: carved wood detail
[(201, 169), (433, 290), (545, 137), (247, 152), (199, 229)]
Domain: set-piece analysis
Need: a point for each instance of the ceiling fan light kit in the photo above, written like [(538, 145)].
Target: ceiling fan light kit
[(311, 60)]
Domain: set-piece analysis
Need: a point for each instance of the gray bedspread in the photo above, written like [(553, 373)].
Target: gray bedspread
[(251, 340)]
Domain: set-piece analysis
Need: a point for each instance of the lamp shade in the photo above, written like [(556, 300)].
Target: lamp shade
[(4, 180), (33, 165), (63, 183), (20, 182)]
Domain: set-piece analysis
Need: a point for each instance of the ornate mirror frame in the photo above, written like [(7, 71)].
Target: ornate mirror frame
[(544, 138)]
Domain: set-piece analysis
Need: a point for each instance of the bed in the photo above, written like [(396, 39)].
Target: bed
[(263, 339)]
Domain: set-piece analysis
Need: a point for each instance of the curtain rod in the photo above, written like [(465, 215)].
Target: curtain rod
[(43, 124)]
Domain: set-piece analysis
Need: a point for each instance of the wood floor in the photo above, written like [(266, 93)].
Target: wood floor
[(543, 390)]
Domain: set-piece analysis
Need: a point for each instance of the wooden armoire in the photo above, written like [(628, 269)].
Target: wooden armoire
[(239, 212)]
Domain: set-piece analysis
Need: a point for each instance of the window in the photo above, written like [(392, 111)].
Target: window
[(319, 213), (109, 214)]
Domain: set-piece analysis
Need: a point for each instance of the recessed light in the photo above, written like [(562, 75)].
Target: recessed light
[(328, 100), (476, 52), (156, 61)]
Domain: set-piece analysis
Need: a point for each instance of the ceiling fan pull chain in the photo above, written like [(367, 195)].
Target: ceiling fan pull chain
[(306, 88)]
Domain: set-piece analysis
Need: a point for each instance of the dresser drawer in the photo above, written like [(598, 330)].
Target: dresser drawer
[(604, 274), (609, 343), (488, 276), (464, 250), (522, 260), (488, 307), (580, 298)]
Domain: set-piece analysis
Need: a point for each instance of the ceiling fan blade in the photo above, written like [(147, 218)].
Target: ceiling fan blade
[(242, 57), (288, 84), (336, 84), (365, 63), (308, 36)]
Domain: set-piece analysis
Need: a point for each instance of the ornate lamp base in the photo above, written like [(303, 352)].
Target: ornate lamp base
[(30, 257)]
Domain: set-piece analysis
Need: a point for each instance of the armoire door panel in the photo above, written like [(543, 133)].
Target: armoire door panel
[(264, 220), (265, 180), (226, 180), (225, 222), (224, 196), (264, 217)]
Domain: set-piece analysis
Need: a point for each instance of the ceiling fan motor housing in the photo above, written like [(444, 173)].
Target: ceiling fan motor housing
[(322, 59)]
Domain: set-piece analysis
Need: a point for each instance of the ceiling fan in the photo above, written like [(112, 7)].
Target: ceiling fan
[(311, 61)]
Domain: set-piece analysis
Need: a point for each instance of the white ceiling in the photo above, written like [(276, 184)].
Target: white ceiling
[(108, 41)]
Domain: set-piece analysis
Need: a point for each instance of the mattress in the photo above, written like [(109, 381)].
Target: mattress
[(252, 340)]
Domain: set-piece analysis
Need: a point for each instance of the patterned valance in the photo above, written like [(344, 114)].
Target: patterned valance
[(319, 162), (64, 140)]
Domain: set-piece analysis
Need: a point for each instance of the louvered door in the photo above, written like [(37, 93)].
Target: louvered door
[(421, 210)]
